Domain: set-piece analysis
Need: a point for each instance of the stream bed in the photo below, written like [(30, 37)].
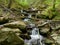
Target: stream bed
[(36, 38)]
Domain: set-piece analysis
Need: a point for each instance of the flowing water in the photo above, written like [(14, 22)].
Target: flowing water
[(36, 38), (26, 19), (29, 15)]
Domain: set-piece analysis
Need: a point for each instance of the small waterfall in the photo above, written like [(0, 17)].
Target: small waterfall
[(36, 38), (26, 19), (29, 15), (35, 31)]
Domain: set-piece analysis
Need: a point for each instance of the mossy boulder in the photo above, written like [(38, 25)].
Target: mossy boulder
[(16, 24), (25, 36), (48, 41), (15, 30), (56, 37), (10, 38)]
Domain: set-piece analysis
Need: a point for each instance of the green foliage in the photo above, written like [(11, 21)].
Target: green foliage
[(23, 3), (4, 2)]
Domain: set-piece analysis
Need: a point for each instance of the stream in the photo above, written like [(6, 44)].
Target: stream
[(36, 38)]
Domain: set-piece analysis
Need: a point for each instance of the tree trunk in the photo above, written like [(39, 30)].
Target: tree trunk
[(9, 5)]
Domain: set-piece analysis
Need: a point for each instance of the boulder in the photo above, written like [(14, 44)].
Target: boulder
[(3, 20), (48, 41), (15, 30), (25, 36), (44, 30), (10, 38), (16, 24), (14, 39), (56, 37), (55, 25)]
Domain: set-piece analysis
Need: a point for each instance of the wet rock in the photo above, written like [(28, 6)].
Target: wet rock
[(3, 20), (48, 41), (15, 30), (22, 17), (44, 30), (42, 16), (56, 37), (3, 36), (25, 36), (15, 40), (1, 26), (55, 25), (42, 22), (10, 38), (16, 24)]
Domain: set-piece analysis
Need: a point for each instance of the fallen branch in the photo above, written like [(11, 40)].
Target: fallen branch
[(5, 8)]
